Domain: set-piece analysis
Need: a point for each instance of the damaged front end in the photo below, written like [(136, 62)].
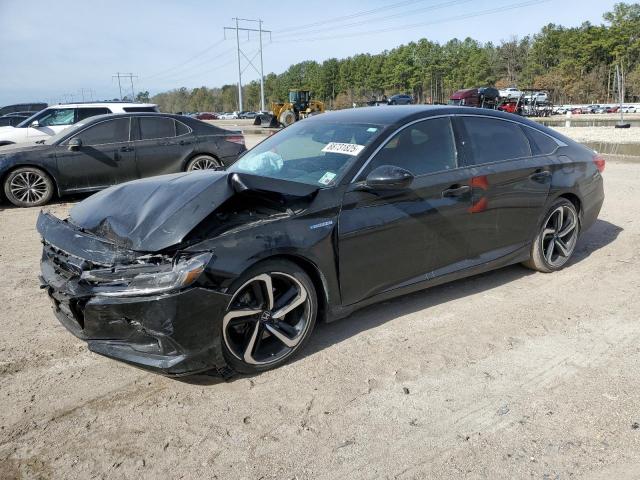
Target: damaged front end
[(125, 274), (149, 310)]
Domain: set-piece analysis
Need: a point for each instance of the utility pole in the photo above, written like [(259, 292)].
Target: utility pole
[(130, 76), (241, 54)]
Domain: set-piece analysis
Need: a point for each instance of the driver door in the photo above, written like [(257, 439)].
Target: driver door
[(106, 157), (394, 238)]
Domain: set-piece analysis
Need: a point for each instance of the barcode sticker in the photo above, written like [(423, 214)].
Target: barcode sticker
[(346, 148)]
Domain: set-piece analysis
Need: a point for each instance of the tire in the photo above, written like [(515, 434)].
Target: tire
[(28, 187), (254, 339), (287, 117), (554, 244), (204, 162)]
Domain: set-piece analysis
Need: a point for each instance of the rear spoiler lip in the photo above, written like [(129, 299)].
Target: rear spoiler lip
[(73, 241)]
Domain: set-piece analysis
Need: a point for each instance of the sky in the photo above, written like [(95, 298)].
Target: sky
[(69, 50)]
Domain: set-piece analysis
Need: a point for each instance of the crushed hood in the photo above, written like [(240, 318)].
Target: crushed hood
[(153, 214)]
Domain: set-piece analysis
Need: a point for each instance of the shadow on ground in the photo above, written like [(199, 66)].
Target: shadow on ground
[(601, 234)]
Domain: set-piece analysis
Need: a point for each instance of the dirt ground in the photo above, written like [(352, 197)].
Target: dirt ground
[(507, 375)]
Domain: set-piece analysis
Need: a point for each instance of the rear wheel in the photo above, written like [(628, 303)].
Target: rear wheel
[(28, 187), (557, 238), (204, 162), (270, 317)]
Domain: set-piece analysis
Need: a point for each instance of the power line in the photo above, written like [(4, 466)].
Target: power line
[(199, 54), (421, 24), (386, 18)]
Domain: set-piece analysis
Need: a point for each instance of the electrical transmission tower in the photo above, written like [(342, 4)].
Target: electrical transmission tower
[(130, 76), (260, 31)]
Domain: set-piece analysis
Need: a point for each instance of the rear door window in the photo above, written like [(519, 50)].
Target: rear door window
[(91, 112), (154, 127), (422, 148), (109, 131), (493, 140)]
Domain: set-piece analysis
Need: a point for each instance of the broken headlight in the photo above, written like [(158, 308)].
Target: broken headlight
[(147, 277)]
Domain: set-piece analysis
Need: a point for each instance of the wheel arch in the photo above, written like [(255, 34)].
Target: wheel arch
[(314, 272), (6, 173), (193, 155)]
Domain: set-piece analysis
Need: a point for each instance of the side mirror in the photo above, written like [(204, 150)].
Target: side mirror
[(35, 124), (74, 144), (388, 177)]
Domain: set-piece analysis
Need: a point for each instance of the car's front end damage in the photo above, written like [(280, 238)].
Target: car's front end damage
[(135, 282), (148, 310)]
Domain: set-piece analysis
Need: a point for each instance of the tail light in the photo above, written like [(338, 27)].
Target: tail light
[(239, 139), (599, 161)]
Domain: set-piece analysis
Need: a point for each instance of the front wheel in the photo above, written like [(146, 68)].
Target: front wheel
[(270, 317), (556, 240), (28, 187)]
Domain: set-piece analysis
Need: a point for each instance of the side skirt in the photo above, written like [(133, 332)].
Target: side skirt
[(464, 269)]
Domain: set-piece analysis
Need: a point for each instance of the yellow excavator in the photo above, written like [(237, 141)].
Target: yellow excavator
[(300, 105)]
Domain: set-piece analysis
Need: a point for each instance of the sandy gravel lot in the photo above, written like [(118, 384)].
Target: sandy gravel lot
[(507, 375)]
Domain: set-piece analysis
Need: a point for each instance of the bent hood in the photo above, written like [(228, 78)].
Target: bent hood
[(153, 214)]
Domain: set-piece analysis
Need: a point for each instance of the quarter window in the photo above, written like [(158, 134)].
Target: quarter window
[(110, 131), (181, 128), (153, 127), (424, 147), (495, 140), (542, 144)]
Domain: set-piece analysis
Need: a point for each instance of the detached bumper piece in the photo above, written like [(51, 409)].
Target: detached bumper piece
[(174, 333)]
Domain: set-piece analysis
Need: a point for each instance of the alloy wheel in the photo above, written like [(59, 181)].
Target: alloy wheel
[(29, 187), (267, 318), (560, 235), (204, 163)]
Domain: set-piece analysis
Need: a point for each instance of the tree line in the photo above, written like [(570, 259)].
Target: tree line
[(576, 65)]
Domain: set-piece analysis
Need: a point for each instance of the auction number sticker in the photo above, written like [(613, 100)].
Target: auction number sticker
[(346, 148)]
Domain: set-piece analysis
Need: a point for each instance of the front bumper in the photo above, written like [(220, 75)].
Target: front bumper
[(175, 333)]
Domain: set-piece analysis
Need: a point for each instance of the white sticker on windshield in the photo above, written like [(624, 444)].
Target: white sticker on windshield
[(327, 178), (346, 148)]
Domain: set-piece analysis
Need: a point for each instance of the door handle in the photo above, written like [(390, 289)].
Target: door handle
[(540, 176), (126, 149), (456, 191)]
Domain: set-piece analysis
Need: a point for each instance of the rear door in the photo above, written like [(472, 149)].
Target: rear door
[(105, 158), (161, 144), (510, 184), (389, 239)]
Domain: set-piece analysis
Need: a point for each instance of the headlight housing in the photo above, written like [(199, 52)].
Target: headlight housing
[(147, 278)]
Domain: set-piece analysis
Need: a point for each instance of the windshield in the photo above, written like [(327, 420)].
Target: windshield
[(317, 153)]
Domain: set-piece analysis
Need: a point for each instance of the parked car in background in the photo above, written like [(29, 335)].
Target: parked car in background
[(630, 109), (247, 115), (108, 149), (53, 120), (483, 97), (228, 116), (23, 107), (13, 119), (331, 214), (537, 97), (400, 99), (591, 108), (510, 92), (206, 116)]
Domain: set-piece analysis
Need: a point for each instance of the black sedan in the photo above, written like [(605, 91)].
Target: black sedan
[(231, 270), (109, 149)]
